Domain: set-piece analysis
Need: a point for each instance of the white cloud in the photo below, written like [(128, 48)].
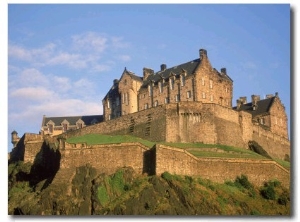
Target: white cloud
[(90, 41), (118, 43), (30, 77), (31, 93), (124, 58)]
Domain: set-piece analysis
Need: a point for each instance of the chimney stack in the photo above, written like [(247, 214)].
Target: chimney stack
[(202, 53), (147, 72), (116, 81), (243, 100), (163, 67), (255, 99), (238, 104), (223, 71)]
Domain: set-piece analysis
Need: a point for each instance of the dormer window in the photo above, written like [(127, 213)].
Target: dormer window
[(182, 80), (160, 85), (171, 80), (65, 127), (50, 128)]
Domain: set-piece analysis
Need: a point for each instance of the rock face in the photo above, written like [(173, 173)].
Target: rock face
[(125, 192)]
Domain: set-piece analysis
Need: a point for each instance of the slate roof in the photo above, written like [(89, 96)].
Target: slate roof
[(73, 119), (189, 67), (263, 106), (113, 92)]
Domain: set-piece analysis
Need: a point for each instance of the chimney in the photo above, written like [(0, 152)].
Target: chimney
[(223, 71), (238, 104), (243, 99), (255, 99), (268, 96), (116, 81), (163, 67), (202, 53), (147, 72), (276, 94)]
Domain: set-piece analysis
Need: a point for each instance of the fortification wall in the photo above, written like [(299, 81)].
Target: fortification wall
[(148, 124), (179, 161), (105, 158), (276, 146), (27, 148)]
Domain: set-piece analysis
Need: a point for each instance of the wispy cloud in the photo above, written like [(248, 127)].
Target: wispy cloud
[(86, 51)]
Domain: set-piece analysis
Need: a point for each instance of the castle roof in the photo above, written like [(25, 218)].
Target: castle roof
[(189, 67), (88, 120), (263, 106)]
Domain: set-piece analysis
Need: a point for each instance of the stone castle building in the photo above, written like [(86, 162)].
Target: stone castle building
[(193, 81), (190, 102)]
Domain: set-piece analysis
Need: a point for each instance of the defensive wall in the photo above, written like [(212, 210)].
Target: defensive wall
[(192, 122), (179, 161), (110, 157)]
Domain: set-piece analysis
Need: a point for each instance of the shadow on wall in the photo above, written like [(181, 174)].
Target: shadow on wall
[(149, 161), (45, 165), (17, 154)]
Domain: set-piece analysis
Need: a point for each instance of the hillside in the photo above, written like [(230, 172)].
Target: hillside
[(126, 193)]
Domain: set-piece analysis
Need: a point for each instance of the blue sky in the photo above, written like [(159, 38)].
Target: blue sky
[(62, 59)]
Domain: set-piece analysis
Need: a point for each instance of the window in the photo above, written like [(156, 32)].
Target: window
[(65, 127), (79, 125), (123, 97), (126, 99), (156, 103), (146, 106), (150, 89), (177, 98), (203, 81), (211, 98), (167, 100), (210, 83), (50, 128), (160, 87), (226, 89), (109, 117), (171, 83), (182, 80), (188, 94), (203, 95), (262, 121), (108, 104)]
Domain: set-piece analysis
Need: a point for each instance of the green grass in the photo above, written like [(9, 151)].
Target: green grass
[(92, 139), (196, 149)]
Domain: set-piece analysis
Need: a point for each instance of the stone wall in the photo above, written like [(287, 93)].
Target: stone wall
[(27, 148), (106, 158), (179, 161), (191, 122), (276, 146)]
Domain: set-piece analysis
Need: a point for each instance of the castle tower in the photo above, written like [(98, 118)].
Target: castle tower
[(14, 138)]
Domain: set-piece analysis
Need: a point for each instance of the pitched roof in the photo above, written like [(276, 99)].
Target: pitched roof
[(263, 106), (113, 92), (88, 120), (189, 67)]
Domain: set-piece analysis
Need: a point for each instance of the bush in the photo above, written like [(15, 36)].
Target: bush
[(244, 182), (268, 192), (167, 176)]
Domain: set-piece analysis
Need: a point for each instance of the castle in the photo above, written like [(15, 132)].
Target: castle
[(190, 102)]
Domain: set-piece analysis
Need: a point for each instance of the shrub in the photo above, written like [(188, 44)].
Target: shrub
[(167, 176), (102, 195), (268, 192), (244, 182)]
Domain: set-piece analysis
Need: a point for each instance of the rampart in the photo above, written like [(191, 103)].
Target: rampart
[(27, 148), (179, 161), (108, 158), (192, 122)]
